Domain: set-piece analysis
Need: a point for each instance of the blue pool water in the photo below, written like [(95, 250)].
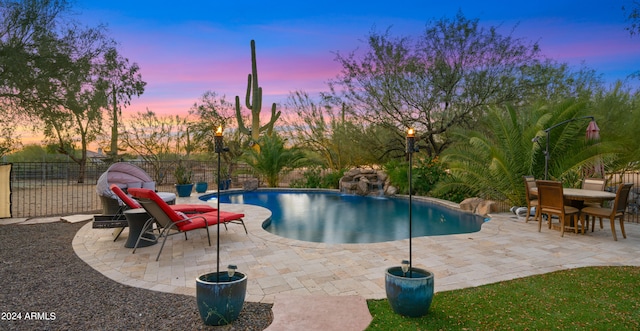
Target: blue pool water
[(330, 217)]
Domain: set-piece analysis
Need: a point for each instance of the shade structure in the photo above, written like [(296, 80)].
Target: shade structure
[(124, 175), (595, 169)]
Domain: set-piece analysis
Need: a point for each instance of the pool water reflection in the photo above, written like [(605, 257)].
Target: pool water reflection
[(329, 217)]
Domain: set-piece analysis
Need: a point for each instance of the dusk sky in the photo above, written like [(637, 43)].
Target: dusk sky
[(185, 48)]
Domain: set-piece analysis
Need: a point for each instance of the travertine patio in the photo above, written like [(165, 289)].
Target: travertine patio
[(505, 248)]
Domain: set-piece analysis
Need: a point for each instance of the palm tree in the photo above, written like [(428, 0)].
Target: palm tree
[(274, 159), (489, 162)]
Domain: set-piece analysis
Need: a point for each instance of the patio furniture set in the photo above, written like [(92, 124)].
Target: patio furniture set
[(152, 215), (574, 208)]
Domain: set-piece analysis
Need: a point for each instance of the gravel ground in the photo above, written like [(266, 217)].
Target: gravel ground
[(41, 278)]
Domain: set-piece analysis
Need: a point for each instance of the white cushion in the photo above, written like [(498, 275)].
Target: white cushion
[(149, 185)]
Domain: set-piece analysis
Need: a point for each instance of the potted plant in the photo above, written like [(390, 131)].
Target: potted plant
[(220, 295), (184, 185), (409, 289), (224, 183), (201, 186)]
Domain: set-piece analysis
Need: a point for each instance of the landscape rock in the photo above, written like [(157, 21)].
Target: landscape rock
[(478, 206), (250, 184), (365, 181)]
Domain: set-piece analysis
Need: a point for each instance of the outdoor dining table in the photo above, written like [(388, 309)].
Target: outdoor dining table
[(581, 195), (578, 194)]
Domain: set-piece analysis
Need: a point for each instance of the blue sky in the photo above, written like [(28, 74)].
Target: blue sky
[(189, 47)]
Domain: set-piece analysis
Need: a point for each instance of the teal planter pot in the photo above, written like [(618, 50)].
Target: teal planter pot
[(201, 187), (184, 190), (409, 297), (224, 184), (220, 303)]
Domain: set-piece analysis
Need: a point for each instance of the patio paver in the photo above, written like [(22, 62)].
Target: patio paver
[(505, 248)]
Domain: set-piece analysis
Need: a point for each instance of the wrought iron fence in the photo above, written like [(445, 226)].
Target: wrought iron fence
[(633, 205), (51, 188), (42, 189)]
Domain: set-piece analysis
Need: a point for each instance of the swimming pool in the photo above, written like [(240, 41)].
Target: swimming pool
[(330, 217)]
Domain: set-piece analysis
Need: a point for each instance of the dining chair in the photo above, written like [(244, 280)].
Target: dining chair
[(595, 184), (551, 202), (532, 200), (617, 211)]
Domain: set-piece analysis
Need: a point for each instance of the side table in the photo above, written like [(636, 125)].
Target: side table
[(136, 219)]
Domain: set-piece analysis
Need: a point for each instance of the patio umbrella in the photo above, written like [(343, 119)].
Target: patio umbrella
[(596, 169)]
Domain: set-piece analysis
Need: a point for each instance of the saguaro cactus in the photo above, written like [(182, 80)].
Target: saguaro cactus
[(253, 101)]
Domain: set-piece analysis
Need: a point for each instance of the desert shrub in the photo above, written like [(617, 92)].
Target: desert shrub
[(313, 178), (397, 172), (425, 174), (332, 179)]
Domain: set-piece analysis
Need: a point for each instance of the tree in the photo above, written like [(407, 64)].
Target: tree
[(156, 139), (60, 75), (632, 15), (554, 82), (78, 94), (26, 28), (274, 159), (618, 113), (443, 80), (324, 130), (123, 81), (10, 141), (213, 111)]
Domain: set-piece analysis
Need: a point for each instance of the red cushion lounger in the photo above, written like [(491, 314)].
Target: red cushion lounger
[(169, 219), (187, 208)]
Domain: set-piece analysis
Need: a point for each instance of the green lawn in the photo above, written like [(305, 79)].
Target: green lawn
[(594, 298)]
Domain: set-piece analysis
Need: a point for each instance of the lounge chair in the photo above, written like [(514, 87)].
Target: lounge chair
[(187, 208), (168, 219), (125, 202), (617, 211)]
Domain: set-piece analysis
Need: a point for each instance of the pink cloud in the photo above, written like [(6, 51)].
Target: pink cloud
[(593, 44)]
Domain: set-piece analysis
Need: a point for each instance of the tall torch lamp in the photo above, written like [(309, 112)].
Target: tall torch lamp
[(409, 294), (411, 148), (219, 148)]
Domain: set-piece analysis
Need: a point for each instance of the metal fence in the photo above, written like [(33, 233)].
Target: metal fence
[(50, 189), (41, 189)]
